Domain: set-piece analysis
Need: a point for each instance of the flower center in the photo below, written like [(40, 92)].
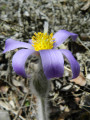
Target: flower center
[(42, 41)]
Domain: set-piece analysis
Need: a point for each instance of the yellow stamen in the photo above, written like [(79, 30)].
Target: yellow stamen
[(42, 41)]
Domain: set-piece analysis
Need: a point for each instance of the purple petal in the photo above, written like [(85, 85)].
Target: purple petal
[(11, 44), (52, 62), (61, 36), (30, 41), (19, 59), (73, 63)]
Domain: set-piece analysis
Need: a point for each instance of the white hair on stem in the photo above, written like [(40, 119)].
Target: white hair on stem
[(39, 86)]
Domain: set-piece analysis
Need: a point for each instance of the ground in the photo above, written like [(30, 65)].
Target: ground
[(19, 19)]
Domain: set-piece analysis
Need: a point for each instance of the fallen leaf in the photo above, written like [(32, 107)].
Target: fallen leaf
[(80, 80), (4, 89), (86, 6), (17, 83), (20, 84)]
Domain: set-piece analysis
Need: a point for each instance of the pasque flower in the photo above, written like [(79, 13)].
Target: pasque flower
[(44, 44)]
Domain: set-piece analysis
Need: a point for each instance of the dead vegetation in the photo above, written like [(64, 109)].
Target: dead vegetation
[(68, 98)]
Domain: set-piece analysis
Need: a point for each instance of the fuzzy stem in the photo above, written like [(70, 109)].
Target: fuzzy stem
[(42, 110), (40, 86)]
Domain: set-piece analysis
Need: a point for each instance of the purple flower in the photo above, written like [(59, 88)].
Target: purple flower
[(45, 45)]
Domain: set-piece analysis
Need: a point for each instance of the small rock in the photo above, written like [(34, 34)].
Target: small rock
[(4, 115), (26, 14)]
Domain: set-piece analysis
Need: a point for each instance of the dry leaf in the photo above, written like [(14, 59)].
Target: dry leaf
[(5, 105), (80, 80), (20, 84), (8, 108), (86, 6), (11, 102), (4, 89), (17, 83)]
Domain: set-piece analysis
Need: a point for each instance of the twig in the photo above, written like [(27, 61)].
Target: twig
[(85, 105), (67, 69), (83, 44), (13, 87), (18, 115), (86, 110), (8, 108), (20, 107)]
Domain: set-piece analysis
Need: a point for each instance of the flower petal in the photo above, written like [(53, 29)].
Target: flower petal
[(11, 44), (73, 63), (61, 36), (52, 62), (19, 59), (30, 41)]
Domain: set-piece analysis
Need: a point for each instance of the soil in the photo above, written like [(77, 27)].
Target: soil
[(19, 20)]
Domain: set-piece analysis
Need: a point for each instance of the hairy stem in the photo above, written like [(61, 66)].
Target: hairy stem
[(40, 87), (42, 109)]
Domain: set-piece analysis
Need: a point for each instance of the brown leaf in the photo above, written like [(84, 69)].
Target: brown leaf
[(4, 89), (80, 80)]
